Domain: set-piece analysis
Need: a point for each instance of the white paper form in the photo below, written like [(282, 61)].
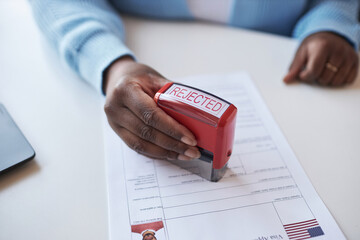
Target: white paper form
[(264, 194)]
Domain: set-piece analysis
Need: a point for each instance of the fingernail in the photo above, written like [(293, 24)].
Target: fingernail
[(192, 153), (188, 141), (288, 80), (171, 158), (183, 158)]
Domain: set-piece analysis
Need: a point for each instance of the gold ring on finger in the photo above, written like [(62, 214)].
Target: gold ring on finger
[(331, 67)]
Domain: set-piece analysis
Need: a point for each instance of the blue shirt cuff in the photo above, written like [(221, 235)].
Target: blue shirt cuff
[(99, 51), (346, 31)]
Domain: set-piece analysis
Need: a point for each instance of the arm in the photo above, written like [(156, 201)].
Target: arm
[(77, 29), (88, 37), (330, 34), (339, 17)]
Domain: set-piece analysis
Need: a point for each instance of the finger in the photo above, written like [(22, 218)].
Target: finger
[(341, 74), (296, 66), (128, 120), (314, 67), (145, 108), (327, 74), (352, 75), (145, 148), (353, 72)]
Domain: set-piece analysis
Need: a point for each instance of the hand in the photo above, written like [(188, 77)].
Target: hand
[(325, 58), (134, 116)]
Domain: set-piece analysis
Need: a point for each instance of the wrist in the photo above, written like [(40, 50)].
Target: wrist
[(114, 70)]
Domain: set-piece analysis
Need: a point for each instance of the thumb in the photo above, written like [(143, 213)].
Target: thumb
[(295, 68), (157, 83)]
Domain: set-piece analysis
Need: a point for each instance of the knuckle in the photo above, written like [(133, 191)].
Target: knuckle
[(175, 146), (325, 44), (137, 147), (119, 89), (125, 88), (146, 132), (172, 133), (132, 85), (122, 92), (171, 155), (109, 109), (319, 44), (150, 117)]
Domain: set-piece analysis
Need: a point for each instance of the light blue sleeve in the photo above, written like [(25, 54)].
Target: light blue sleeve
[(338, 16), (87, 34)]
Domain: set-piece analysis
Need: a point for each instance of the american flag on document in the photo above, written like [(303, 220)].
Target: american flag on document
[(303, 230)]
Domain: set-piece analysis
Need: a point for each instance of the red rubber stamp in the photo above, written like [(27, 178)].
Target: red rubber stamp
[(212, 121)]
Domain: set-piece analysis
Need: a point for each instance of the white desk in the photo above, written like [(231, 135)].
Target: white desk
[(62, 193)]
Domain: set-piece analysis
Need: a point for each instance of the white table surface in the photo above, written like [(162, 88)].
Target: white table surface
[(62, 193)]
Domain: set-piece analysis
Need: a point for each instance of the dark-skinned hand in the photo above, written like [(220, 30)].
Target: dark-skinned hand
[(324, 58), (133, 114)]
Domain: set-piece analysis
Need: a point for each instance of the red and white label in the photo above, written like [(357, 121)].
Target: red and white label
[(196, 98)]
